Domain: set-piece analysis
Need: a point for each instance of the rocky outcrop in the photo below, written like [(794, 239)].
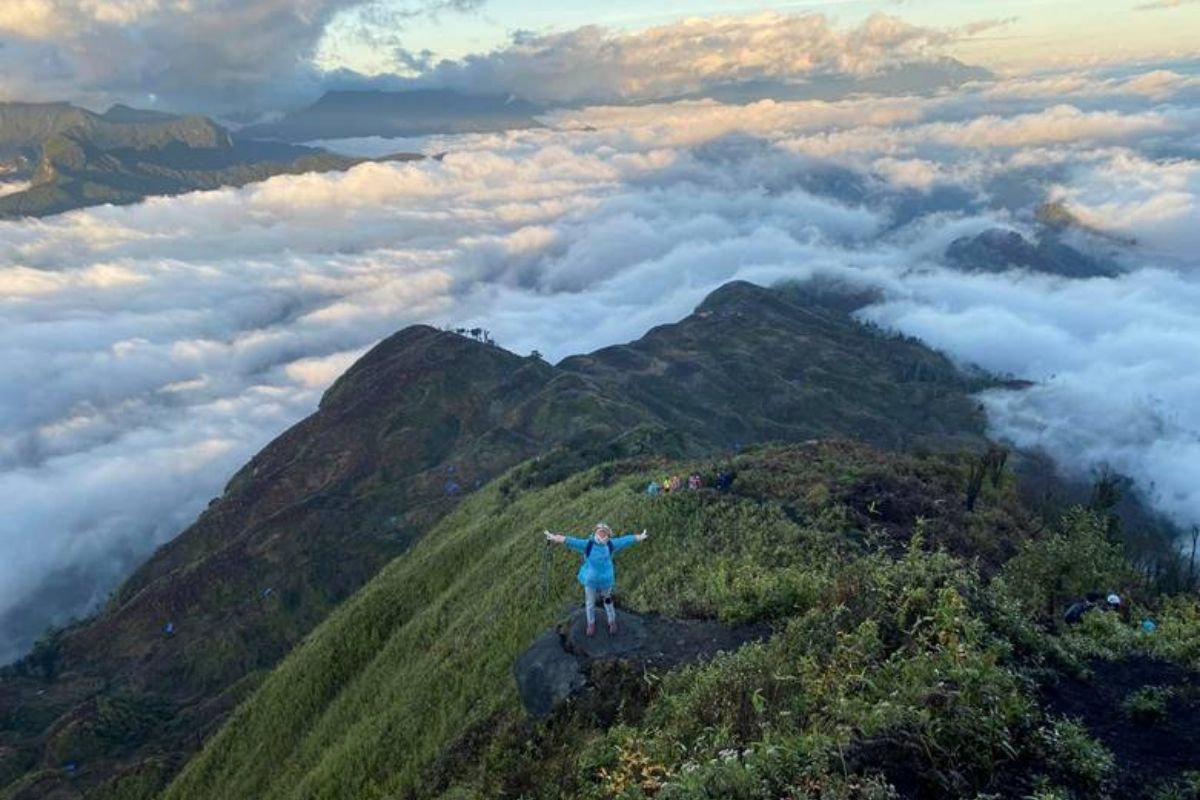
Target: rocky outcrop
[(560, 662), (997, 250)]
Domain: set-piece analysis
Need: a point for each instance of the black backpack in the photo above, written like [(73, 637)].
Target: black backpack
[(587, 551)]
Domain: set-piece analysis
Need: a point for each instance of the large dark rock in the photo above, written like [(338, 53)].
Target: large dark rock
[(547, 674), (560, 662)]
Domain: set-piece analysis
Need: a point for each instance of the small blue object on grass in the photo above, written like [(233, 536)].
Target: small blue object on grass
[(1149, 625), (452, 487), (71, 766), (267, 592), (169, 628)]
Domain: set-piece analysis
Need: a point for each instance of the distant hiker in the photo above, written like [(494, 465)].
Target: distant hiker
[(653, 489), (1113, 601), (1076, 610), (724, 481), (1149, 625), (694, 481), (596, 573), (674, 484)]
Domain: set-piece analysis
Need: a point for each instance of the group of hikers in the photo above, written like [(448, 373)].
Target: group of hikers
[(1096, 601), (673, 483)]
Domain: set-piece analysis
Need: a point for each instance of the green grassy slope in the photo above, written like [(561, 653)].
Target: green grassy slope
[(895, 667), (423, 653)]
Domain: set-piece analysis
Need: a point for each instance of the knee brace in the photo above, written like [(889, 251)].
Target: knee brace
[(608, 600)]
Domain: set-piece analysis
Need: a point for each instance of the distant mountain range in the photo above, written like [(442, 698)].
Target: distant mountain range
[(55, 157), (71, 158), (904, 79), (417, 112), (421, 112)]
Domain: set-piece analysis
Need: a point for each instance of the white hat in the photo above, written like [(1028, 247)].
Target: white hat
[(1114, 599)]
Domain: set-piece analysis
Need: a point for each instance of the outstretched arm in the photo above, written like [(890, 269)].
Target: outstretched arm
[(621, 542), (569, 541)]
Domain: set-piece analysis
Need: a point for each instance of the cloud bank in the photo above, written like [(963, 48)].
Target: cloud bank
[(256, 56), (594, 64), (215, 55), (149, 350)]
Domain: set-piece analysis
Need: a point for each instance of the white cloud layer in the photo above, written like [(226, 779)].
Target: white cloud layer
[(150, 350), (593, 63)]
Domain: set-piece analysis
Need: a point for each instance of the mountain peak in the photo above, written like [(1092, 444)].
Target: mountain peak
[(417, 348), (122, 113), (734, 294)]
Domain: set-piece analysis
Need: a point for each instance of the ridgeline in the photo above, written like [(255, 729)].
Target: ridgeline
[(73, 158)]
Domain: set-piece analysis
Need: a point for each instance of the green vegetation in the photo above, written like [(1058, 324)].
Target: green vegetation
[(901, 661), (1148, 704), (75, 158)]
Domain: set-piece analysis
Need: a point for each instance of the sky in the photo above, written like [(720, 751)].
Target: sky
[(241, 59), (148, 351), (1039, 34)]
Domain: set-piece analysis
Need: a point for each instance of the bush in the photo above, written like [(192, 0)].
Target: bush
[(1069, 746), (1067, 564), (1147, 705)]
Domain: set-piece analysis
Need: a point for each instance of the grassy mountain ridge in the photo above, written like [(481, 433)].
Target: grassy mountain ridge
[(77, 158), (397, 442), (791, 364), (357, 712), (24, 126), (896, 669)]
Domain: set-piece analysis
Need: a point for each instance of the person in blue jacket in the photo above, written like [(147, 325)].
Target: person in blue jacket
[(596, 573)]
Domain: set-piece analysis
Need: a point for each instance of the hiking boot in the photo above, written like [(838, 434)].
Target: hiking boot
[(591, 629), (612, 628)]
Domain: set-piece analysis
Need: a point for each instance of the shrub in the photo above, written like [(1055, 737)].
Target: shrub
[(1066, 564), (1147, 705), (1069, 746)]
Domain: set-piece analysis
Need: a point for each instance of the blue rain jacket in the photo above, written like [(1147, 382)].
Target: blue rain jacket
[(597, 568)]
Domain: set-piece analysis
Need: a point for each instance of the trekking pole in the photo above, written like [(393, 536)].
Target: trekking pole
[(546, 571)]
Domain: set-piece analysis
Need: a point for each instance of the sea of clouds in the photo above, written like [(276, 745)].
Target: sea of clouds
[(148, 351)]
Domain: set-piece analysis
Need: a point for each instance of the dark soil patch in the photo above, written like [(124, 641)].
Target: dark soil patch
[(1147, 754)]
